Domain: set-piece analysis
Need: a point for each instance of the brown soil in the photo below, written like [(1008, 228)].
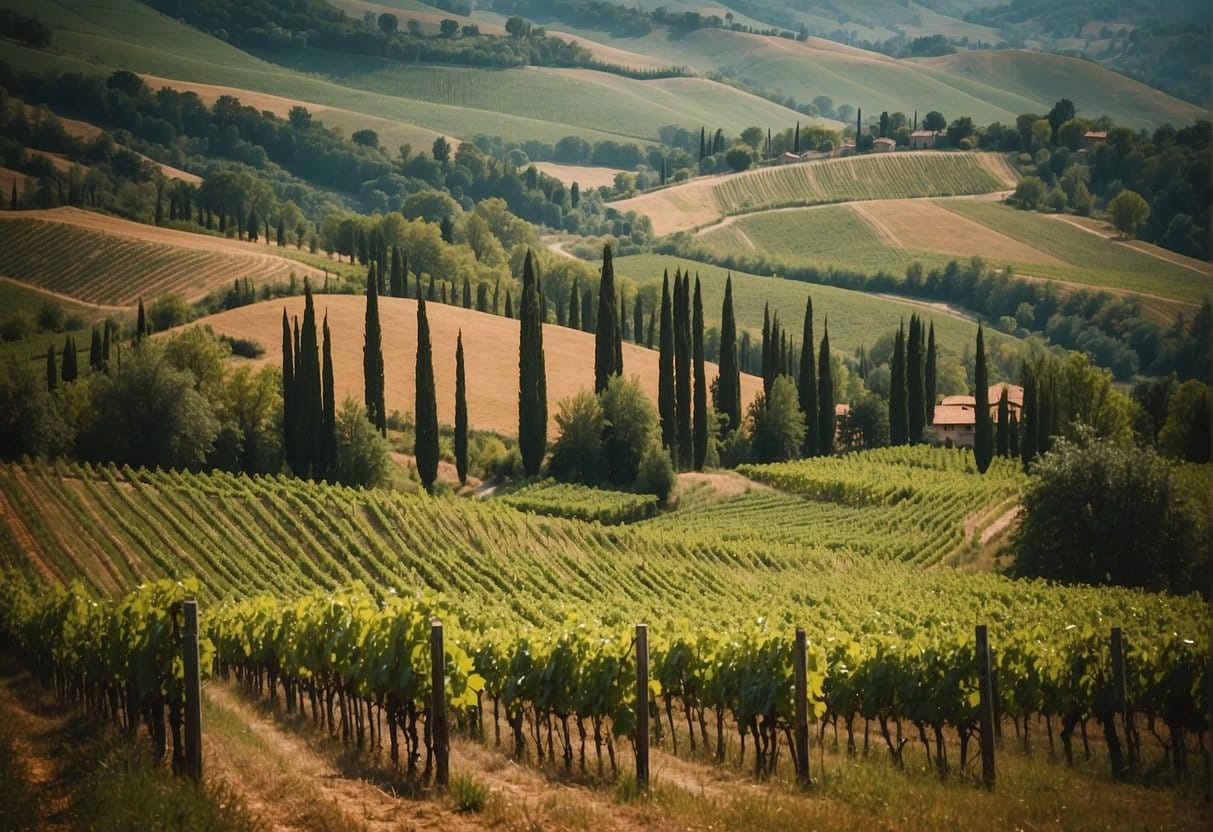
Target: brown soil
[(36, 730), (1000, 525)]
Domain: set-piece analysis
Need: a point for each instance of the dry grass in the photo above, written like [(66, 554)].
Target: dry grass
[(490, 347), (586, 176), (925, 226)]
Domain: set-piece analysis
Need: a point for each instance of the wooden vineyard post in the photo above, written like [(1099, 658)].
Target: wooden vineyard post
[(642, 707), (986, 706), (1120, 689), (193, 692), (802, 709), (438, 730)]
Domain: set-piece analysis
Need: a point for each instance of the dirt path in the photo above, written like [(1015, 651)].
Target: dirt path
[(999, 526), (935, 306), (36, 733)]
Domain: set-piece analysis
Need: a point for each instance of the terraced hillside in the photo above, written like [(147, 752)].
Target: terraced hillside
[(104, 260), (875, 176)]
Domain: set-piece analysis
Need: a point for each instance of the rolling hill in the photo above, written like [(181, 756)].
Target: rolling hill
[(701, 201), (99, 259), (888, 235), (490, 345)]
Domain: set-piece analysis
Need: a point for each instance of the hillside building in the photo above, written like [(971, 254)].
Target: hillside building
[(883, 145), (922, 139), (956, 416), (788, 158), (1093, 138)]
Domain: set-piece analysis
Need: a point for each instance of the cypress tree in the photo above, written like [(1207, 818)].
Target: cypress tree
[(1013, 438), (768, 377), (665, 371), (652, 329), (309, 401), (372, 357), (682, 368), (806, 386), (444, 299), (898, 406), (606, 332), (105, 347), (425, 413), (575, 308), (70, 369), (1027, 434), (588, 321), (625, 326), (702, 151), (140, 324), (619, 335), (431, 293), (728, 386), (52, 370), (983, 434), (467, 293), (94, 351), (12, 199), (825, 396), (700, 416), (1002, 439), (461, 414), (638, 319), (288, 394), (915, 388), (1046, 409), (929, 377), (327, 468), (281, 232), (496, 295), (404, 275), (532, 377), (796, 143), (482, 297), (509, 305)]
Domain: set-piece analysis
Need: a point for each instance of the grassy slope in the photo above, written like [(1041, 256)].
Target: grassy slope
[(855, 318), (837, 236), (124, 34), (876, 176), (491, 352)]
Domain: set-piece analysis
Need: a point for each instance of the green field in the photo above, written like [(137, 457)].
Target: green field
[(856, 319), (1089, 258), (828, 237), (838, 237), (1018, 81)]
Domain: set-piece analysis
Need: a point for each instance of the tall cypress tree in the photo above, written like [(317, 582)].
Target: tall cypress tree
[(327, 469), (619, 335), (983, 434), (898, 408), (94, 351), (425, 411), (929, 377), (310, 424), (728, 387), (482, 297), (372, 356), (825, 396), (140, 324), (509, 304), (1027, 432), (652, 329), (52, 370), (796, 142), (606, 331), (404, 275), (768, 377), (638, 319), (806, 387), (289, 411), (1002, 438), (467, 293), (105, 346), (915, 387), (70, 369), (682, 368), (625, 326), (532, 377), (575, 309), (665, 371), (588, 322), (461, 414), (700, 415)]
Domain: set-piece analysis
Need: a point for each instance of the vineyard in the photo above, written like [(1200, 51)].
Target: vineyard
[(580, 502), (880, 176), (94, 267)]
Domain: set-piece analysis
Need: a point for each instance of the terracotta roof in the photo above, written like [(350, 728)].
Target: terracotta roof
[(1095, 134), (953, 415), (924, 134), (959, 400), (1014, 393), (884, 140)]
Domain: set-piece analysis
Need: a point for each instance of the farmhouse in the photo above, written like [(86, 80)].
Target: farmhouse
[(956, 416), (883, 145), (788, 158), (1093, 138), (922, 139)]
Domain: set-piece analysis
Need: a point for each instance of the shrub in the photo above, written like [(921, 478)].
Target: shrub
[(468, 793), (656, 473)]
